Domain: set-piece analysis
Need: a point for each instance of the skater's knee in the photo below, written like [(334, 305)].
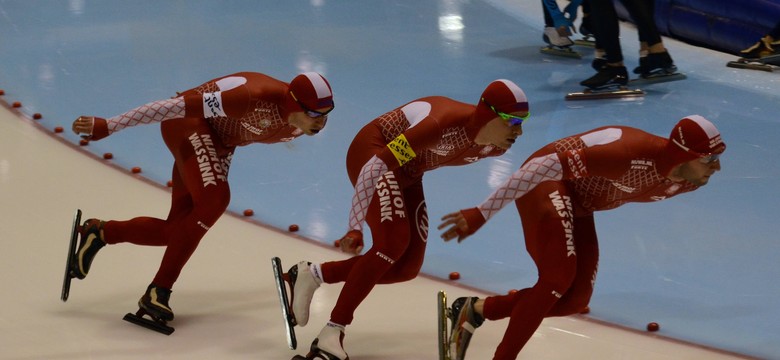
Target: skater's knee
[(557, 286), (210, 211), (402, 273), (570, 304)]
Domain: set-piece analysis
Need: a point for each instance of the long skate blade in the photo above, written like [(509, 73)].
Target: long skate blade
[(608, 94), (74, 235), (771, 60), (444, 337), (281, 290), (158, 326), (744, 64), (549, 50), (586, 42), (657, 79)]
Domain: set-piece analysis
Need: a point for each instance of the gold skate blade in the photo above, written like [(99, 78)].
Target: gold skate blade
[(568, 52), (443, 325), (751, 65)]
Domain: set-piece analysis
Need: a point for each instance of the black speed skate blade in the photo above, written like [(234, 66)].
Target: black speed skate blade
[(443, 325), (657, 79), (610, 93), (157, 325), (284, 301), (752, 64), (560, 51), (74, 236)]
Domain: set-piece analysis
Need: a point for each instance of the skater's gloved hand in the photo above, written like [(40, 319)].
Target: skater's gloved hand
[(461, 224), (90, 127), (352, 242)]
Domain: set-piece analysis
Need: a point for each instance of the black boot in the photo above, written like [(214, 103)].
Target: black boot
[(155, 302), (608, 76), (657, 64), (91, 241)]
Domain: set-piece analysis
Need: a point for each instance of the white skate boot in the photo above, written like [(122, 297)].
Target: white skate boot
[(329, 344), (552, 37), (558, 45), (303, 284)]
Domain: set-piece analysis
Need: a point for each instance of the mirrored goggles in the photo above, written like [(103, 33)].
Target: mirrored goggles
[(709, 159), (309, 112), (511, 119)]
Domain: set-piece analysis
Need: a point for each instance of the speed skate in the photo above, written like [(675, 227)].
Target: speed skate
[(153, 323), (768, 63), (565, 51), (657, 78), (281, 289), (617, 92), (74, 237)]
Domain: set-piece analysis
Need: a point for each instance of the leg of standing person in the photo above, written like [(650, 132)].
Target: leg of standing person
[(607, 29), (586, 28), (653, 56)]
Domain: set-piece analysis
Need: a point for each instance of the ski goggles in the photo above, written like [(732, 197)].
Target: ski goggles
[(709, 159), (309, 112), (511, 119)]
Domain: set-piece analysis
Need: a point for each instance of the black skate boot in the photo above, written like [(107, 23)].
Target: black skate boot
[(464, 321), (599, 59), (607, 77), (155, 303), (642, 62), (655, 65), (598, 63), (762, 48), (91, 242)]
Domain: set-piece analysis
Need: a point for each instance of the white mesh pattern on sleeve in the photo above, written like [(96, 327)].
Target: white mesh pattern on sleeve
[(156, 111), (525, 179), (365, 187)]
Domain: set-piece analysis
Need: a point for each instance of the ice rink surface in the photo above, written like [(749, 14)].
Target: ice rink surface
[(703, 265)]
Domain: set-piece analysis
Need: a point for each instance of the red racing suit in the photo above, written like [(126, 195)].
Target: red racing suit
[(201, 127), (385, 163), (556, 192)]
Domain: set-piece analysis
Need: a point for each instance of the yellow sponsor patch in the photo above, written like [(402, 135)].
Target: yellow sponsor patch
[(401, 150)]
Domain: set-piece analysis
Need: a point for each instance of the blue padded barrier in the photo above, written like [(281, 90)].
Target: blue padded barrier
[(724, 25)]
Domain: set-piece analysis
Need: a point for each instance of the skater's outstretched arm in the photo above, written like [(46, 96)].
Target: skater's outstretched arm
[(233, 102), (96, 128), (463, 223)]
